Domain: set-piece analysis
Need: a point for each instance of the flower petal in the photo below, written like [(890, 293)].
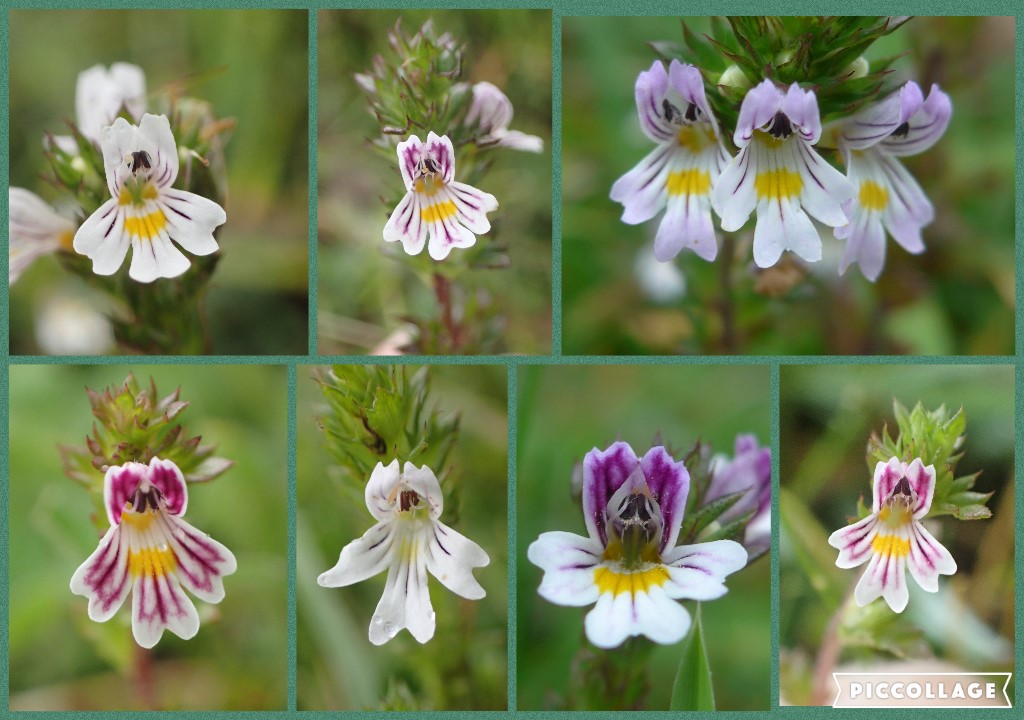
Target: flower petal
[(884, 577), (155, 135), (854, 542), (649, 91), (568, 562), (928, 558), (757, 110), (611, 621), (167, 477), (409, 154), (604, 471), (362, 558), (380, 490), (191, 220), (698, 571), (34, 230), (660, 618), (154, 258), (642, 191), (687, 224), (878, 121), (783, 225), (405, 602), (801, 107), (688, 82), (451, 558), (734, 196), (159, 603), (669, 481), (865, 242), (922, 482), (102, 238), (202, 562), (824, 189), (447, 233), (423, 481), (521, 141), (490, 109), (909, 209), (406, 225), (887, 474), (119, 485), (924, 127), (472, 206), (103, 577), (441, 151)]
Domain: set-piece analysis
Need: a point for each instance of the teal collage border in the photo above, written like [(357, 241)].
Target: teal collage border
[(559, 9)]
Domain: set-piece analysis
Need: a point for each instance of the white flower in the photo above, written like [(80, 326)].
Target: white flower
[(408, 541), (152, 553), (100, 95), (778, 171), (145, 211), (34, 229), (68, 325), (491, 113), (681, 171), (452, 212)]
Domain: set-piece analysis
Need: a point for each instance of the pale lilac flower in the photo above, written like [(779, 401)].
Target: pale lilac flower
[(408, 541), (491, 113), (100, 95), (778, 172), (750, 470), (630, 565), (893, 537), (34, 229), (682, 170), (452, 213), (145, 211), (152, 553), (886, 197)]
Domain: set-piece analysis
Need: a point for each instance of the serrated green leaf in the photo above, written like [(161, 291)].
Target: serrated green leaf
[(693, 689), (707, 514), (732, 531)]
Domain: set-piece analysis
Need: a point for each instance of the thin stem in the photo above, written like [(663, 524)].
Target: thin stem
[(143, 675), (725, 301), (443, 291), (828, 655)]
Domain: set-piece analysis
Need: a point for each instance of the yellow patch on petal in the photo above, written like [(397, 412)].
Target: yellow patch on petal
[(151, 562), (890, 545), (688, 182), (695, 138), (427, 187), (616, 583), (66, 240), (873, 196), (778, 184), (438, 212), (769, 140), (149, 192), (148, 226), (125, 198), (139, 521)]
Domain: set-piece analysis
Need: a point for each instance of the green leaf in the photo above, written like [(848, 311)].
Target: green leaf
[(805, 537), (693, 689), (709, 513)]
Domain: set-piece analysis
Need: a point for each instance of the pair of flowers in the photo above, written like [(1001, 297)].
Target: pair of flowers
[(777, 170), (144, 212)]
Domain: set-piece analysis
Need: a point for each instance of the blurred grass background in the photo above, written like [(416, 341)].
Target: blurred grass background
[(238, 661), (464, 666), (563, 413), (957, 298), (826, 417), (250, 65), (366, 287)]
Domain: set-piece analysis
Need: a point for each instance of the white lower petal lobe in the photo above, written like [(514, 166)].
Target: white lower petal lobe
[(885, 575), (103, 578), (406, 601), (687, 224), (659, 617), (406, 225), (734, 196), (191, 220), (568, 562), (611, 621), (854, 542), (363, 558), (698, 572), (642, 190), (159, 603), (928, 558), (102, 239), (202, 562), (451, 558)]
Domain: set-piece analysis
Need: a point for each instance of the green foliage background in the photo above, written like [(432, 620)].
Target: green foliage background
[(250, 65), (564, 412), (61, 660), (366, 287), (827, 415), (464, 666), (957, 298)]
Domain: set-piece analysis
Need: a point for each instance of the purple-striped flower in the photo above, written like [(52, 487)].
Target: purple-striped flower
[(892, 538), (34, 229), (408, 541), (681, 171), (886, 197), (452, 213), (100, 95), (145, 211), (778, 172), (152, 553), (490, 113), (630, 565), (750, 470)]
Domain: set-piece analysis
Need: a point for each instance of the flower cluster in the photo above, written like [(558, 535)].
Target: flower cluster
[(629, 566), (778, 171), (408, 541), (152, 553), (144, 212)]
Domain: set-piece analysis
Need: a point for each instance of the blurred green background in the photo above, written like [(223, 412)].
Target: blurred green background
[(827, 415), (566, 411), (957, 298), (61, 660), (249, 65), (367, 287), (464, 666)]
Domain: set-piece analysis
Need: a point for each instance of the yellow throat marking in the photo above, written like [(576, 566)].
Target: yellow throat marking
[(890, 545), (151, 562), (146, 227), (778, 184), (873, 196), (438, 212), (617, 583), (688, 182), (694, 138)]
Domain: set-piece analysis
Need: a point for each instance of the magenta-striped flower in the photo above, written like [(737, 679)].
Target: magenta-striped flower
[(152, 553), (892, 538)]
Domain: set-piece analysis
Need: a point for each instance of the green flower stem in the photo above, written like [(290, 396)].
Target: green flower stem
[(828, 654)]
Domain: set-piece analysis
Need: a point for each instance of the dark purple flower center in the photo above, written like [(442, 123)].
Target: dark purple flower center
[(780, 128)]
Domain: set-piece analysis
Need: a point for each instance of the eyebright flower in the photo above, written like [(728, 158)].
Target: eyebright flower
[(100, 96), (887, 198), (681, 172), (750, 469), (151, 552), (145, 211), (630, 565), (491, 113), (408, 541), (778, 171), (454, 213), (893, 538), (34, 229)]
